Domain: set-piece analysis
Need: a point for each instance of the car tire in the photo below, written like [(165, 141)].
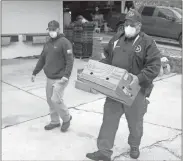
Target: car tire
[(180, 40), (120, 28)]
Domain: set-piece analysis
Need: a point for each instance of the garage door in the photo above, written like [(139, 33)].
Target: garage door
[(29, 16)]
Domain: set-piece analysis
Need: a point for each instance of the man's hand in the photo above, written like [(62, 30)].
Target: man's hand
[(63, 80), (58, 84), (33, 78), (135, 80)]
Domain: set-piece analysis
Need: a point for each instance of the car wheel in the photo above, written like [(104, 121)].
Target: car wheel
[(180, 40), (120, 28)]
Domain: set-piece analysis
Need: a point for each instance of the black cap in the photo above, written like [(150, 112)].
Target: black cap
[(53, 25), (134, 16)]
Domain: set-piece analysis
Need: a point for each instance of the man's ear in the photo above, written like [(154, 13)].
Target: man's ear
[(139, 26)]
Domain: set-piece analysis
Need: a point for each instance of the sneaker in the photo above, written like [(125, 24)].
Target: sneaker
[(51, 126), (66, 125), (134, 152), (97, 156)]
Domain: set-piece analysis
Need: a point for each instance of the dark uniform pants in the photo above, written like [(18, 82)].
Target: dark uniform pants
[(113, 111)]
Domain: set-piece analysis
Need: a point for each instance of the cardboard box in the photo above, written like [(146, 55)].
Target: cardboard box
[(84, 87), (110, 81)]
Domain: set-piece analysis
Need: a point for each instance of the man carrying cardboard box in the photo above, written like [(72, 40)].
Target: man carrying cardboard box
[(136, 52)]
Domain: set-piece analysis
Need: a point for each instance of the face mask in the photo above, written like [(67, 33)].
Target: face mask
[(130, 31), (53, 34)]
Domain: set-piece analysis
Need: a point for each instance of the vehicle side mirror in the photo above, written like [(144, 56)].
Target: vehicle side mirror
[(171, 18)]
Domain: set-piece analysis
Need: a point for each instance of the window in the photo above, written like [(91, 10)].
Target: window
[(164, 13), (29, 38), (14, 38), (148, 11), (9, 38), (5, 41), (178, 13)]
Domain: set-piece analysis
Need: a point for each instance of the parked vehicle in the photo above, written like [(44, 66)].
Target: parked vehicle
[(160, 21)]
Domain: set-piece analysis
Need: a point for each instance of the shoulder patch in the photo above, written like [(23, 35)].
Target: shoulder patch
[(69, 51)]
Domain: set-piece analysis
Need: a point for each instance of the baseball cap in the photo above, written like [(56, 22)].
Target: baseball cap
[(53, 25), (133, 15)]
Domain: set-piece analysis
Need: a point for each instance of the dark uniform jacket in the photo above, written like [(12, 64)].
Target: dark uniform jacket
[(144, 59), (56, 58)]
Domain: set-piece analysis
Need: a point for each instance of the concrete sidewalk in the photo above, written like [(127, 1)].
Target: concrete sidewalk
[(28, 96), (25, 107)]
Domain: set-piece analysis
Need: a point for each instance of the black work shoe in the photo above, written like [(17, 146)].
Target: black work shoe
[(66, 125), (51, 126), (97, 156), (134, 152)]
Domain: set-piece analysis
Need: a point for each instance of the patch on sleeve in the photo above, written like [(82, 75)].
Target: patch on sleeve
[(69, 51)]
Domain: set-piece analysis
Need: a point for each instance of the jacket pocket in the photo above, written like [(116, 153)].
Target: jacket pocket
[(139, 56), (137, 62)]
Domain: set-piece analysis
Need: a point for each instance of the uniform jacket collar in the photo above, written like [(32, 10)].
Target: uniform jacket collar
[(119, 35)]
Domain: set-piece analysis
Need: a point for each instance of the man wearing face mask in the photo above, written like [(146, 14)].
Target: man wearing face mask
[(57, 61), (136, 52)]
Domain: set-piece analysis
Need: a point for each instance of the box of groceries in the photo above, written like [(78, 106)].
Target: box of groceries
[(110, 81)]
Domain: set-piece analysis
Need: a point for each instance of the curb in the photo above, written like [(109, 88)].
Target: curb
[(164, 77)]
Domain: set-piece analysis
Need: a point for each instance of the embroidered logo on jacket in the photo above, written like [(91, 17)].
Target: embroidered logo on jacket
[(130, 14), (138, 49)]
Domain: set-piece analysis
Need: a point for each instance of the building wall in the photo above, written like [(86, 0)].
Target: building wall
[(27, 17)]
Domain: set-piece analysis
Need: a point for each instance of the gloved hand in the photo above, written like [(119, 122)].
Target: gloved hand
[(63, 80), (135, 80), (58, 84)]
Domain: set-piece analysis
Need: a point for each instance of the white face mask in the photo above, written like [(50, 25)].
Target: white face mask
[(130, 31), (53, 34)]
